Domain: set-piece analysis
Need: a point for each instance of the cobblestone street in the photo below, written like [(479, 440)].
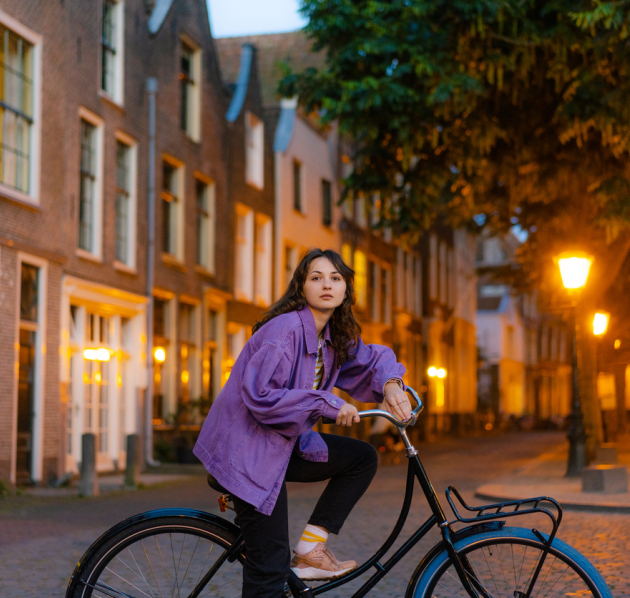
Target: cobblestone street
[(41, 539)]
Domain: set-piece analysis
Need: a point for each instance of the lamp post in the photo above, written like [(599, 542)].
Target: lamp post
[(574, 270)]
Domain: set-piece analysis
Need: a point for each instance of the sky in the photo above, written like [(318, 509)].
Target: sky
[(230, 18)]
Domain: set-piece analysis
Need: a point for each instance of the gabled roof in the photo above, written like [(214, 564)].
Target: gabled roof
[(292, 48)]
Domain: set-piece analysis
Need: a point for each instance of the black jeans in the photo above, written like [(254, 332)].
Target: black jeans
[(350, 467)]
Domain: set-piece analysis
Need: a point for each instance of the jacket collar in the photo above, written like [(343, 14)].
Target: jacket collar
[(310, 331)]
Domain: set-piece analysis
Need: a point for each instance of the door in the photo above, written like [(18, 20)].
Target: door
[(26, 395)]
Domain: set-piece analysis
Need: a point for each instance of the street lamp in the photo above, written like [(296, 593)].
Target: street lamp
[(574, 269), (600, 324)]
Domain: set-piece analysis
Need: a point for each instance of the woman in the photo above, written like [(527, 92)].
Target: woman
[(258, 433)]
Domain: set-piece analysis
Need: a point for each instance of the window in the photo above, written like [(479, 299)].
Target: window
[(112, 39), (360, 278), (386, 301), (327, 202), (290, 254), (187, 350), (244, 266), (409, 286), (443, 280), (255, 156), (17, 111), (374, 288), (297, 186), (433, 266), (125, 203), (263, 260), (205, 203), (90, 184), (417, 286), (360, 216), (190, 81), (346, 253), (161, 333), (28, 373), (172, 210)]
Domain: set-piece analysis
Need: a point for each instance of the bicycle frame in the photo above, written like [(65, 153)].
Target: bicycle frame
[(416, 471)]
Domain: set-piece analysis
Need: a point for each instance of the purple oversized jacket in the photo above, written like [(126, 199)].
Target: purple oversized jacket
[(268, 404)]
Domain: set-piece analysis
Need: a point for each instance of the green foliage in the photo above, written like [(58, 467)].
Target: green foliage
[(4, 489), (514, 109)]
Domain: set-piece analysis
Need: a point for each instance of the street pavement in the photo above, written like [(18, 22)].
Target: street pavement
[(42, 537)]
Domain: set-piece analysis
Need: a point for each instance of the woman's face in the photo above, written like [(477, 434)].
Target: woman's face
[(325, 287)]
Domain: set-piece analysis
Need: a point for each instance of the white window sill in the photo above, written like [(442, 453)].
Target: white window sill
[(124, 268), (18, 196), (203, 270), (255, 185), (241, 296), (172, 262), (86, 255)]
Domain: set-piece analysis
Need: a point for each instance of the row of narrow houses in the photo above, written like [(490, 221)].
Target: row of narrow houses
[(155, 197)]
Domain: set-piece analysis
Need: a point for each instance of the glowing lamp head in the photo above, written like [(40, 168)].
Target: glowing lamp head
[(441, 373), (432, 371), (600, 324), (574, 270), (159, 354)]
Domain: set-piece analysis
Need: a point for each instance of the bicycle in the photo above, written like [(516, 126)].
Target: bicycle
[(171, 552)]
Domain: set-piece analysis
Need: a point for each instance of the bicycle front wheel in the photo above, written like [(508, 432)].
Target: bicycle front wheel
[(167, 556), (504, 562)]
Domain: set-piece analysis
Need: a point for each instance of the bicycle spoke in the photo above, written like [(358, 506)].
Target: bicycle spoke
[(157, 585), (490, 570), (191, 559), (204, 565), (140, 572)]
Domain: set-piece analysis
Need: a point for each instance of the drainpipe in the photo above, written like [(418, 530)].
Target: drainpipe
[(152, 91)]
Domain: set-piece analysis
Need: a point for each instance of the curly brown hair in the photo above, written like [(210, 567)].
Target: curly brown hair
[(344, 328)]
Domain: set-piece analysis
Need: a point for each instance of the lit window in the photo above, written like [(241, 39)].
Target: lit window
[(190, 80), (346, 253), (244, 263), (205, 205), (254, 131), (386, 301), (360, 278), (112, 49)]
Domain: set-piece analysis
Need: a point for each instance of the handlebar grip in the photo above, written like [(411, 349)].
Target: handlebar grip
[(327, 420)]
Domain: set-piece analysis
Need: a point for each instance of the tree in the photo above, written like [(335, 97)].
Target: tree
[(512, 112), (508, 112)]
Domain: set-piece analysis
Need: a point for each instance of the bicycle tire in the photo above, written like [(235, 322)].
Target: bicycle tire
[(166, 556), (504, 560)]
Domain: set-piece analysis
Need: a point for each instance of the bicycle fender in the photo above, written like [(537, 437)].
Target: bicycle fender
[(438, 555), (140, 517), (441, 547)]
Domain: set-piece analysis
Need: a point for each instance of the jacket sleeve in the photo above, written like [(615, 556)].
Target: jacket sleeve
[(288, 411), (364, 376)]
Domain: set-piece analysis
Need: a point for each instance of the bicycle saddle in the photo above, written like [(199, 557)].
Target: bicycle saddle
[(214, 484)]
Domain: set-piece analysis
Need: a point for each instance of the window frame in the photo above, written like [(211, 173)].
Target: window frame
[(263, 259), (327, 203), (244, 255), (254, 151), (33, 196), (209, 262), (190, 93), (169, 196), (297, 178), (132, 197), (96, 250), (118, 50)]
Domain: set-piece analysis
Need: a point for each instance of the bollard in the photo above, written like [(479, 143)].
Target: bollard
[(88, 486), (133, 462)]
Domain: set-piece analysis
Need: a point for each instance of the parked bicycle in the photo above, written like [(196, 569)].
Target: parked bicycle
[(188, 553)]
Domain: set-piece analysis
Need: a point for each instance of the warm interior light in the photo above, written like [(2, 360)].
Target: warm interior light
[(100, 354), (617, 344), (159, 354), (574, 271), (97, 377), (600, 324), (432, 371), (185, 377), (441, 373)]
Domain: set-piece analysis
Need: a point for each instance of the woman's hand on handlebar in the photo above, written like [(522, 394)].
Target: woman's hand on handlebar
[(348, 415), (396, 401)]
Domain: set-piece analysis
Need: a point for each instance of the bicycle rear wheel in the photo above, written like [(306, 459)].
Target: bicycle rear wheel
[(504, 562), (160, 558)]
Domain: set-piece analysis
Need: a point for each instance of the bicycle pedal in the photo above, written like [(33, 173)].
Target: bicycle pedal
[(224, 503)]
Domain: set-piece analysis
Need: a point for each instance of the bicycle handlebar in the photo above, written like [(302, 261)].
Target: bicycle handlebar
[(389, 417)]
